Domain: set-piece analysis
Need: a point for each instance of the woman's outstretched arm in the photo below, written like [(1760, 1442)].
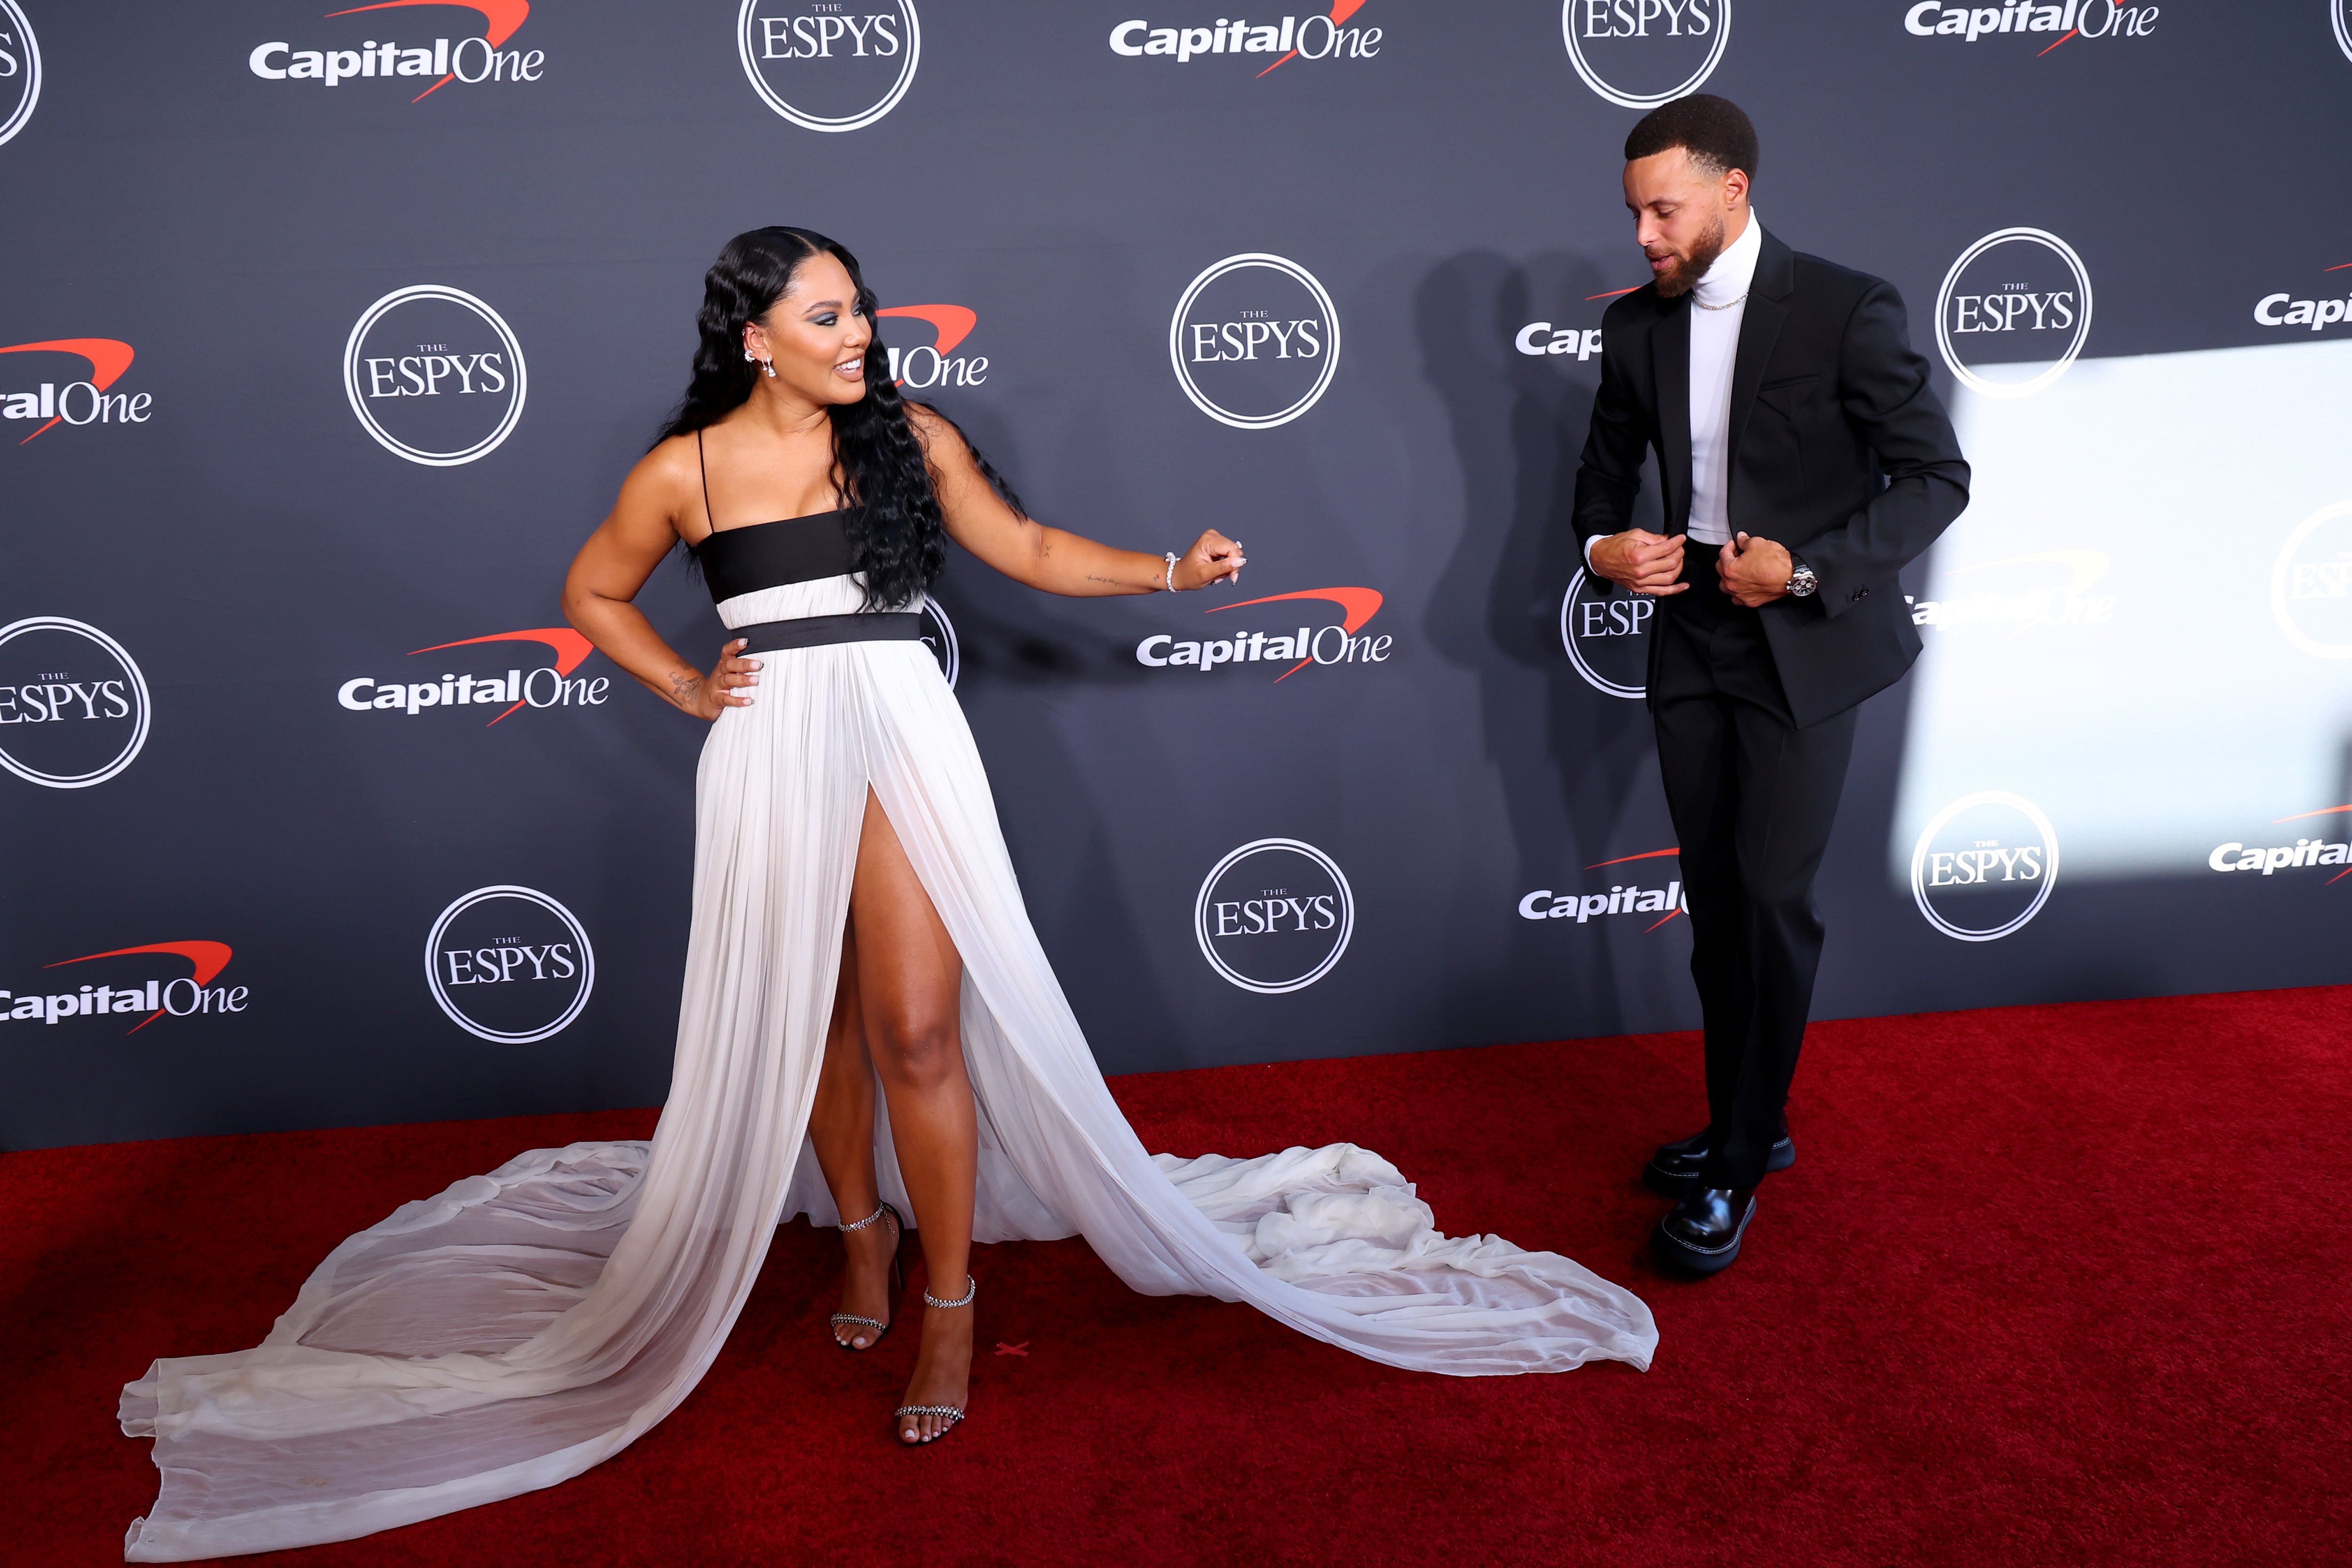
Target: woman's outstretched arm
[(1051, 558), (599, 591)]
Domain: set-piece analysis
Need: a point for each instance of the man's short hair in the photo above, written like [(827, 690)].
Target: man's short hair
[(1714, 131)]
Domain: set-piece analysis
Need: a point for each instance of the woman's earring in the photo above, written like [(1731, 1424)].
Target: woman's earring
[(747, 356), (770, 366)]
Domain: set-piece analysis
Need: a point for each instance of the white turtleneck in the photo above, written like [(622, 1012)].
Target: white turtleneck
[(1718, 301)]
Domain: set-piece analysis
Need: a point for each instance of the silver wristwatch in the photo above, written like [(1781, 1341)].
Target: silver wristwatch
[(1802, 584)]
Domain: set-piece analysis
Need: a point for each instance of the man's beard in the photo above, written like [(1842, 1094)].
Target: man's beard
[(1684, 275)]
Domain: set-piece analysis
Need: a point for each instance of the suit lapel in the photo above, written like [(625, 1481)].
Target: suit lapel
[(1670, 363), (1759, 329)]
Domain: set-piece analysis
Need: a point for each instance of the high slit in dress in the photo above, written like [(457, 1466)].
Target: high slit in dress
[(522, 1326)]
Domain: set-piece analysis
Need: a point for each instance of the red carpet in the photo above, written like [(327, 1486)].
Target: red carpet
[(1937, 1351)]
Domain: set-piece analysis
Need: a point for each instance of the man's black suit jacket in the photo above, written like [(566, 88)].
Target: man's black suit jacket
[(1839, 450)]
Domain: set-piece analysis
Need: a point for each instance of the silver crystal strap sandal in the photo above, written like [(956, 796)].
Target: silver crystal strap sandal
[(898, 1279), (951, 1414)]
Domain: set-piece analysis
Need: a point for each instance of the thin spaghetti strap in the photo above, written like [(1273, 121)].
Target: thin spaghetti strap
[(701, 462)]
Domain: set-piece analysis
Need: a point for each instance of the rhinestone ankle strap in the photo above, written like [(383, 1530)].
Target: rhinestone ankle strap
[(869, 1219), (972, 1290)]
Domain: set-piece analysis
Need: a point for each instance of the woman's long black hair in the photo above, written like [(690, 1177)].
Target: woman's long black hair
[(879, 466)]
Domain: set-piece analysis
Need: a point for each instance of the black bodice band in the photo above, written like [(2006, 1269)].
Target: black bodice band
[(819, 631), (759, 555)]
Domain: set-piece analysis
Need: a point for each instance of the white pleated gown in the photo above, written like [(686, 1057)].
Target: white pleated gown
[(522, 1326)]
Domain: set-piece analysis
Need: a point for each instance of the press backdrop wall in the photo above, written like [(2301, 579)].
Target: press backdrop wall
[(325, 338)]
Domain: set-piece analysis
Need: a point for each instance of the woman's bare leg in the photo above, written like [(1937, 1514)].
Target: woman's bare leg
[(841, 1128), (908, 976)]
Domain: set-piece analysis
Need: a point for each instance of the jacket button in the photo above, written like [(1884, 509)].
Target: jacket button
[(1858, 593)]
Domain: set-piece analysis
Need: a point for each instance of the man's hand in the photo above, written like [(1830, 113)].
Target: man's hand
[(1754, 572), (1640, 561)]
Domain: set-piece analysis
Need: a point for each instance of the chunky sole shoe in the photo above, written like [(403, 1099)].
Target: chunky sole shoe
[(1674, 1170), (1694, 1259)]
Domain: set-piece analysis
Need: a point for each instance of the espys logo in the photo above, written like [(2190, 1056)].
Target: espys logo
[(83, 402), (1638, 54), (2065, 22), (936, 363), (1324, 38), (1255, 341), (471, 62), (73, 706), (547, 685), (1606, 631), (1304, 646), (1274, 915), (1622, 899), (20, 69), (2339, 16), (153, 994), (1984, 865), (2022, 593), (509, 965), (434, 375), (2311, 583), (2013, 312), (939, 637), (829, 65), (2284, 310), (2303, 852)]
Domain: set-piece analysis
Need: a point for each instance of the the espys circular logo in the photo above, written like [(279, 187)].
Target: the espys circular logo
[(1255, 341), (509, 965), (1639, 53), (1606, 631), (2339, 16), (2013, 312), (826, 66), (2311, 583), (20, 69), (73, 706), (939, 637), (1984, 865), (1274, 915), (434, 375)]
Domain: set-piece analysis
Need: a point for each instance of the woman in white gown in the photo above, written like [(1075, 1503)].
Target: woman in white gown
[(856, 919)]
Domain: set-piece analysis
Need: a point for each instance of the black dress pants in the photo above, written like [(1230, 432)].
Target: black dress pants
[(1752, 797)]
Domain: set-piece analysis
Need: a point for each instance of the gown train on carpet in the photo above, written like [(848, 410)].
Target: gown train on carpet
[(523, 1325)]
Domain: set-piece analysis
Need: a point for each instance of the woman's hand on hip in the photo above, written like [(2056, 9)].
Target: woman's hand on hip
[(727, 684)]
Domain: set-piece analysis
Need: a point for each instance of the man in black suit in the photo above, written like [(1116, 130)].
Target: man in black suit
[(1806, 461)]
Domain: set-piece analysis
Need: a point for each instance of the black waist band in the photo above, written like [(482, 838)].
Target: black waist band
[(818, 631)]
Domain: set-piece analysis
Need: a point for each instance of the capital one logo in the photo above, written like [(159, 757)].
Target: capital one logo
[(509, 965), (1255, 341), (1274, 915), (2284, 310), (2020, 593), (1297, 647), (829, 65), (2311, 583), (20, 69), (935, 364), (434, 375), (1606, 631), (1984, 865), (2312, 850), (79, 401), (2056, 24), (1628, 898), (426, 64), (504, 691), (1316, 38), (2013, 312), (143, 988), (73, 705), (1639, 53)]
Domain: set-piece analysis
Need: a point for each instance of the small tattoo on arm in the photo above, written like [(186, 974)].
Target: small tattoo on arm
[(682, 688)]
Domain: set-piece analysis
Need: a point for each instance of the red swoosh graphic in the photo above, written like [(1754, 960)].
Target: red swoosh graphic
[(2338, 268), (2298, 817), (570, 649), (2069, 34), (1357, 606), (1646, 855), (499, 20), (1341, 11), (209, 958), (1610, 295), (953, 322), (108, 360)]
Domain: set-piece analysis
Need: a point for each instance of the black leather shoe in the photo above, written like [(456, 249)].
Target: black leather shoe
[(1675, 1166), (1701, 1231)]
